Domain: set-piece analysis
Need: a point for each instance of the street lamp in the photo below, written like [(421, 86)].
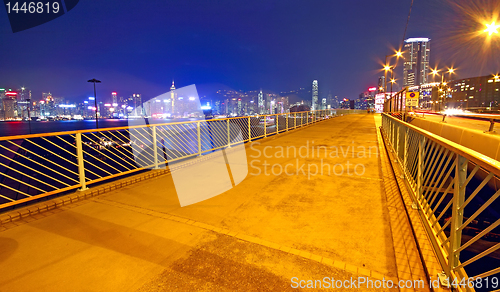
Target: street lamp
[(95, 101), (434, 72), (397, 54), (451, 71)]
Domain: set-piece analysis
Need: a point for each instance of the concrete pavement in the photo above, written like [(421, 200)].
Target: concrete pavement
[(254, 237)]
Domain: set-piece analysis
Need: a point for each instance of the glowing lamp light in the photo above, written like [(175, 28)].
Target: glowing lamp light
[(491, 28), (91, 98), (372, 89), (113, 93), (115, 104), (206, 107), (192, 98), (85, 101), (11, 93), (107, 104)]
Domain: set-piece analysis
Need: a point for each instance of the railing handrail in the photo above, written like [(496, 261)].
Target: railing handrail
[(19, 137), (482, 160)]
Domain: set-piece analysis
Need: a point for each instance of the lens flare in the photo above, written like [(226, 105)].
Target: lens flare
[(469, 34)]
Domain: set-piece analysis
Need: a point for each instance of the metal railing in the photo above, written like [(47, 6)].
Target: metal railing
[(396, 102), (41, 165), (455, 190)]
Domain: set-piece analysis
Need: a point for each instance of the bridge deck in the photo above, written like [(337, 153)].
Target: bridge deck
[(256, 236)]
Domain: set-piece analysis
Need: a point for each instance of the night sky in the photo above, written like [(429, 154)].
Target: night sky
[(140, 46)]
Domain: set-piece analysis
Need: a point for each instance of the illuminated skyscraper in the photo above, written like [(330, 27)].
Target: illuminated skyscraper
[(172, 97), (261, 103), (416, 61), (315, 95)]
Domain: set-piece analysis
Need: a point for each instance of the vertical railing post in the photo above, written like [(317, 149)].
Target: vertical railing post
[(249, 131), (81, 167), (228, 135), (295, 120), (287, 116), (155, 147), (457, 214), (199, 138), (420, 166), (405, 151), (277, 124), (265, 126), (397, 141)]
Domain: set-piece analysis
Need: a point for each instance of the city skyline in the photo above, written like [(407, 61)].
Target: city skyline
[(246, 55)]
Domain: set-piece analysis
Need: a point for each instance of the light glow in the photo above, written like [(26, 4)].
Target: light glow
[(492, 28), (413, 40)]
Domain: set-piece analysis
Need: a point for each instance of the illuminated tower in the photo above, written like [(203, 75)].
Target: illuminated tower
[(172, 97), (261, 103), (416, 65), (315, 95)]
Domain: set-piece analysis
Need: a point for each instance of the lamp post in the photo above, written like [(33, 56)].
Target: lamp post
[(29, 117), (387, 67), (95, 101)]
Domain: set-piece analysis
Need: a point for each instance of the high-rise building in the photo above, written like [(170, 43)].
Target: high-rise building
[(261, 103), (172, 97), (416, 61), (315, 95)]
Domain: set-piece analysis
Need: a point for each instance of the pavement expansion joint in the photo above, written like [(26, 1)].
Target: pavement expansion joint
[(362, 271)]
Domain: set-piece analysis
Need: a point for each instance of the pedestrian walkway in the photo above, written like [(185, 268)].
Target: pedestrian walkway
[(319, 212)]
